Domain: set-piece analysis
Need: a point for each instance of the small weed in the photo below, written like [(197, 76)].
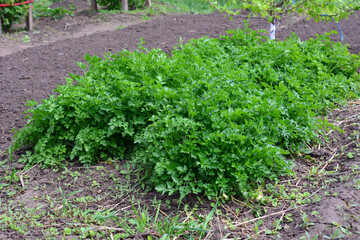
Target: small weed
[(316, 214), (306, 221), (356, 183), (307, 237), (26, 39), (145, 18), (337, 235), (288, 217), (345, 177)]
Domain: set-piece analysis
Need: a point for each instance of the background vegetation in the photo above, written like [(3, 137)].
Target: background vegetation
[(116, 5), (10, 15), (200, 6)]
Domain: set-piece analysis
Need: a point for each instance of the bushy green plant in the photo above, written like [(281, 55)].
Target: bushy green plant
[(42, 8), (199, 6), (55, 13), (116, 4), (217, 116), (10, 15)]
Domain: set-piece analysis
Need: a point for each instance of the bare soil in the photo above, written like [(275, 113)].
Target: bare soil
[(32, 70)]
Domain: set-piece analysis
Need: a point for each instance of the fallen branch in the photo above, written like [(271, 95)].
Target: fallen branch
[(328, 161), (102, 227), (113, 207), (144, 234), (269, 215), (313, 193), (347, 120)]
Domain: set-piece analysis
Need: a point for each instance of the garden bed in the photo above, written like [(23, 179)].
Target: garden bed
[(35, 71)]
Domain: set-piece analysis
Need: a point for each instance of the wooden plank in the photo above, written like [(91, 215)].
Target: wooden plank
[(29, 19), (125, 5), (94, 5), (148, 3)]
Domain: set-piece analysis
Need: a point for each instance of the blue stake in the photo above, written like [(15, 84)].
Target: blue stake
[(341, 35), (342, 38)]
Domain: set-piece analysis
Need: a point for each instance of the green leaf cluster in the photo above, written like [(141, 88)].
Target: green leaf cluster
[(217, 116), (12, 14), (276, 9), (116, 5)]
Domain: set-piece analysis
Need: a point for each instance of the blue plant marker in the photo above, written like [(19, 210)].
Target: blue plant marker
[(341, 35)]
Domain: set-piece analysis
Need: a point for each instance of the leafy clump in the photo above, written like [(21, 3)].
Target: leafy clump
[(116, 5), (215, 117), (11, 14)]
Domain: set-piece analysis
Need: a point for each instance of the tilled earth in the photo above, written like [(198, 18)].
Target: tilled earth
[(34, 72)]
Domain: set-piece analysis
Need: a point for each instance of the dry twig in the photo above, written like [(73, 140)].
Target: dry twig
[(221, 235), (328, 161), (313, 193), (347, 120), (269, 215), (102, 227)]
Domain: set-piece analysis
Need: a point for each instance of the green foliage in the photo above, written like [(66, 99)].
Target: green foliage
[(217, 116), (10, 15), (115, 4), (275, 9), (55, 13), (42, 8), (199, 6)]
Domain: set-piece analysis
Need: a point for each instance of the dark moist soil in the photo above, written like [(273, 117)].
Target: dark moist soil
[(35, 71)]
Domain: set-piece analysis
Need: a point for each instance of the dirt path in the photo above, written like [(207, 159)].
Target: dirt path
[(40, 66), (83, 22)]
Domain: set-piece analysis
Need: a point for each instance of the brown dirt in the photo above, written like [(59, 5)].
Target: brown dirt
[(55, 47), (84, 22)]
